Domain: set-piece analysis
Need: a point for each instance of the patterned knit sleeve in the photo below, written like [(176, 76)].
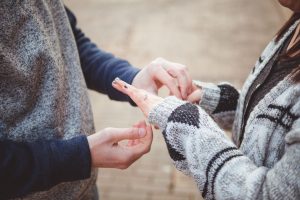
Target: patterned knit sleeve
[(220, 101), (200, 149)]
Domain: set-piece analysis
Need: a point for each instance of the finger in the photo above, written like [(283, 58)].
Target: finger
[(195, 96), (132, 142), (135, 94), (149, 135), (166, 79), (129, 154), (120, 86), (143, 124), (180, 73), (119, 134), (140, 124), (195, 87), (183, 79), (144, 144), (132, 153)]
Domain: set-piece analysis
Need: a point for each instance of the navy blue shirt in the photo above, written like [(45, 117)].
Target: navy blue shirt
[(99, 67), (28, 167)]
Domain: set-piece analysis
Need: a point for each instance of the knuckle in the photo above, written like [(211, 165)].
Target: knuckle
[(158, 62), (107, 130), (130, 92), (152, 67), (105, 134), (182, 70)]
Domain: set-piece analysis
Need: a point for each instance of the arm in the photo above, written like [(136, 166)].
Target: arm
[(100, 68), (29, 167), (200, 149), (220, 101)]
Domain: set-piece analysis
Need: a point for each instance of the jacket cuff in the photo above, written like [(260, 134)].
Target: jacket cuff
[(160, 113), (211, 96)]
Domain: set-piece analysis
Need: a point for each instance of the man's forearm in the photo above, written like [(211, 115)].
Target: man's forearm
[(99, 67), (28, 167)]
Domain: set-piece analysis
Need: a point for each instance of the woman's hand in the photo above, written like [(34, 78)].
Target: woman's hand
[(196, 95), (143, 99), (107, 152)]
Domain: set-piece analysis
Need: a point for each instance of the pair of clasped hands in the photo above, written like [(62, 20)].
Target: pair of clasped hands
[(105, 147)]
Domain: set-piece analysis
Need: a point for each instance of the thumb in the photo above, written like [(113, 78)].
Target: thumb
[(195, 97), (120, 134)]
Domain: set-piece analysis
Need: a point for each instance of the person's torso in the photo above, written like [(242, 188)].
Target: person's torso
[(43, 94), (261, 133)]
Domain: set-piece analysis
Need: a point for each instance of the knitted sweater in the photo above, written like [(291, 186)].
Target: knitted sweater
[(264, 165)]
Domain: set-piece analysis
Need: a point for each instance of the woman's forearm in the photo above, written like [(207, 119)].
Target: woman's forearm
[(201, 149)]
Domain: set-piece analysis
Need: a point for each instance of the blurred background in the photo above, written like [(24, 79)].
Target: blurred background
[(219, 40)]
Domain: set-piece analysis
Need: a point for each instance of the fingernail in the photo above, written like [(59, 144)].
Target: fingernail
[(142, 132), (116, 80)]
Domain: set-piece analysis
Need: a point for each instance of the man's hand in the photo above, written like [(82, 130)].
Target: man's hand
[(161, 72), (107, 152)]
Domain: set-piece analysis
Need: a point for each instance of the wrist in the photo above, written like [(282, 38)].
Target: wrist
[(91, 145), (160, 113)]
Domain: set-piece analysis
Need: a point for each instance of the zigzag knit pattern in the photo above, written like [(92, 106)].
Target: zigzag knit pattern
[(264, 165)]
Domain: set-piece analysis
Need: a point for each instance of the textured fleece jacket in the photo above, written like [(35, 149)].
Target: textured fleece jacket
[(265, 164), (46, 64)]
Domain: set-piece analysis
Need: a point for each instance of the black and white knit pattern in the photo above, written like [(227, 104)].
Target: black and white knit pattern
[(220, 101), (264, 165)]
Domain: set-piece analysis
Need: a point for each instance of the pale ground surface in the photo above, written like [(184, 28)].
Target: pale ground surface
[(219, 40)]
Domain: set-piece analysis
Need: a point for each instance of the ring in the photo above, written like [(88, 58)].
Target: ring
[(146, 97)]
